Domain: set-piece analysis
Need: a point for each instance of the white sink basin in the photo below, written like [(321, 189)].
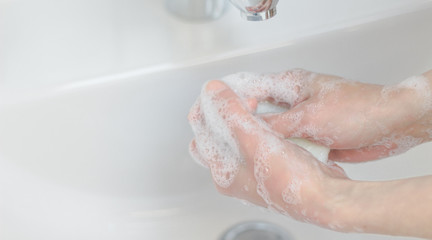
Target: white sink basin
[(49, 42), (108, 159)]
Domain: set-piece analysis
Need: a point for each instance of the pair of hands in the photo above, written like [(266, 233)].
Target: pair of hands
[(250, 159)]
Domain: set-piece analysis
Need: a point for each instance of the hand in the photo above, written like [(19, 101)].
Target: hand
[(359, 121), (250, 161)]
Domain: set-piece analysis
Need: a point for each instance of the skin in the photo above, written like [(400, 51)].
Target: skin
[(359, 123), (356, 118)]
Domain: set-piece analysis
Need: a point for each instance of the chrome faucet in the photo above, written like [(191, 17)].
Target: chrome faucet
[(256, 10), (251, 10)]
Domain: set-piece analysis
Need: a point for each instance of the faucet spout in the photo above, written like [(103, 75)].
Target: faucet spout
[(256, 10), (196, 10)]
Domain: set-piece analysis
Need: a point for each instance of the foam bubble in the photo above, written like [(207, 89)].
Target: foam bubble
[(284, 87), (214, 139), (291, 194), (330, 86), (195, 155), (262, 169), (419, 84), (404, 144)]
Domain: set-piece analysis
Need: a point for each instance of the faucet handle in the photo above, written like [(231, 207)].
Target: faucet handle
[(256, 10)]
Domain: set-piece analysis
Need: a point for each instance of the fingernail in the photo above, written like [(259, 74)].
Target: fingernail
[(215, 85)]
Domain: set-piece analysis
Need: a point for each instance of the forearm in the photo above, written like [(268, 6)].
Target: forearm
[(423, 127), (402, 207), (409, 108)]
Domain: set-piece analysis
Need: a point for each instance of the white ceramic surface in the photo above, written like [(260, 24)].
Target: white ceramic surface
[(107, 158), (50, 42)]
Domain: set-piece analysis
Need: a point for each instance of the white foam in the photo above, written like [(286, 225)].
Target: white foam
[(196, 156), (262, 170), (420, 85), (284, 87), (291, 194), (214, 139), (404, 144)]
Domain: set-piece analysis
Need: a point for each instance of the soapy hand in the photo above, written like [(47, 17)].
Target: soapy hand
[(358, 121), (250, 161), (250, 158)]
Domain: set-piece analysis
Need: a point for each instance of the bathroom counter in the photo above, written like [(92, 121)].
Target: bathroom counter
[(49, 43)]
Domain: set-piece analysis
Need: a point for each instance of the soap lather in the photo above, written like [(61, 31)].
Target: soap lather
[(318, 151)]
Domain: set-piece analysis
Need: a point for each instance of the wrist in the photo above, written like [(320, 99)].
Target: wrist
[(397, 207), (418, 96), (354, 208), (409, 106), (341, 209), (427, 121)]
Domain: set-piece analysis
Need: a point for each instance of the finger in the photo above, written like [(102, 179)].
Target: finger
[(289, 123), (290, 87), (196, 155), (361, 155), (252, 104), (245, 187), (196, 118), (231, 111)]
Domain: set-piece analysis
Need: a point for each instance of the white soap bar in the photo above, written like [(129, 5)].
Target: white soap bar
[(266, 107), (318, 151)]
